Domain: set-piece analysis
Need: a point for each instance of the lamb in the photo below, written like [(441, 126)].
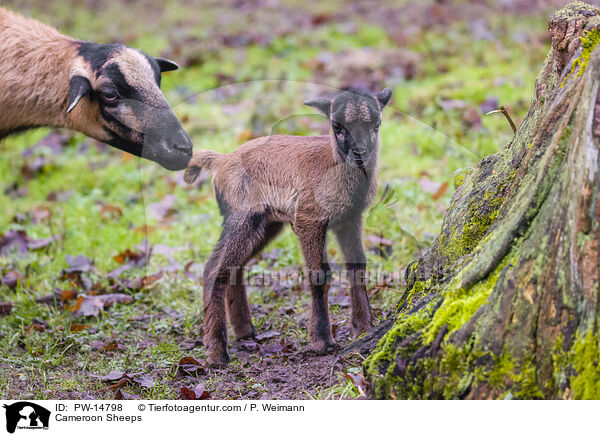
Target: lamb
[(313, 183), (108, 91)]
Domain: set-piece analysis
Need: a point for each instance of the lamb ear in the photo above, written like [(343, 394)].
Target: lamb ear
[(166, 65), (78, 87), (321, 104), (384, 97)]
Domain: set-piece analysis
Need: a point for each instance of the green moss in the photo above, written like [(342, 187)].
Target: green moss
[(456, 373), (526, 382), (383, 358), (458, 242), (589, 40), (500, 373), (460, 304), (460, 176), (578, 367)]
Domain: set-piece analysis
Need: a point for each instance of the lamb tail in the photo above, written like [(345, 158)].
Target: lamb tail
[(200, 159)]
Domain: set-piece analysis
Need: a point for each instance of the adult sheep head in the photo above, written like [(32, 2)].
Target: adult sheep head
[(115, 97)]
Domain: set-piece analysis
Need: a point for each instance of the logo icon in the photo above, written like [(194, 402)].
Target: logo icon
[(26, 415)]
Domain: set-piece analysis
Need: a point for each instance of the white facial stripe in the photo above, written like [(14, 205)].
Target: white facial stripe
[(139, 73)]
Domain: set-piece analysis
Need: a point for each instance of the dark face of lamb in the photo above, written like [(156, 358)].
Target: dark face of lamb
[(125, 105), (355, 119)]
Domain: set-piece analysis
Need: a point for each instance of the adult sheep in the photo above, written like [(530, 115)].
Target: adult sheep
[(108, 91)]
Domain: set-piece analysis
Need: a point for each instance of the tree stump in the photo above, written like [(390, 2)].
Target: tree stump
[(505, 304)]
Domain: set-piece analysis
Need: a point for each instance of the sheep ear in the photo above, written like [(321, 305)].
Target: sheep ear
[(78, 87), (166, 65), (384, 97), (321, 104)]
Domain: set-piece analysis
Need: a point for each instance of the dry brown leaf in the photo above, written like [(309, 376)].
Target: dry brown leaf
[(79, 327)]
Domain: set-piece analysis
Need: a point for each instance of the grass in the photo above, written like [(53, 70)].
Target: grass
[(228, 92)]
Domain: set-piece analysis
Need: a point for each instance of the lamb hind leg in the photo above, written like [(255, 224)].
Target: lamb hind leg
[(238, 309), (241, 235), (350, 240), (312, 239)]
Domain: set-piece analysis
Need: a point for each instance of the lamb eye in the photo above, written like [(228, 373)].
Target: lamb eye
[(337, 128)]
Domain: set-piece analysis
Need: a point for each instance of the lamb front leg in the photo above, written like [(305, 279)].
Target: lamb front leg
[(312, 237), (350, 240)]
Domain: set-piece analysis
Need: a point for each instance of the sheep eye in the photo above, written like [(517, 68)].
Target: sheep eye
[(337, 128), (109, 95)]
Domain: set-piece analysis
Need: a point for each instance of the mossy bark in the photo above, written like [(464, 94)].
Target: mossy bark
[(506, 301)]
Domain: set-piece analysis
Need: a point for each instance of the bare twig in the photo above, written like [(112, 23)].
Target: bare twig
[(505, 112)]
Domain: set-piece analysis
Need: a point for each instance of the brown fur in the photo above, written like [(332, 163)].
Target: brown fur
[(35, 73), (276, 180), (38, 67)]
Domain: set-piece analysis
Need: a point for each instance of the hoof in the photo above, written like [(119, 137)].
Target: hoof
[(220, 360), (360, 328), (246, 333), (217, 355), (324, 347)]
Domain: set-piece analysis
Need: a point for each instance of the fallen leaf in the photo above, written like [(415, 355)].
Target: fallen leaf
[(120, 395), (36, 325), (267, 335), (162, 208), (113, 345), (78, 264), (79, 327), (116, 273), (187, 271), (13, 240), (440, 191), (428, 185), (55, 298), (199, 393), (39, 214), (187, 394), (340, 299), (145, 229), (11, 279), (87, 306), (32, 168), (68, 295), (358, 380), (128, 255), (113, 375), (190, 366), (190, 344), (141, 283), (110, 211), (447, 105), (38, 244), (5, 308), (145, 381), (121, 383), (53, 142), (90, 305), (110, 299)]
